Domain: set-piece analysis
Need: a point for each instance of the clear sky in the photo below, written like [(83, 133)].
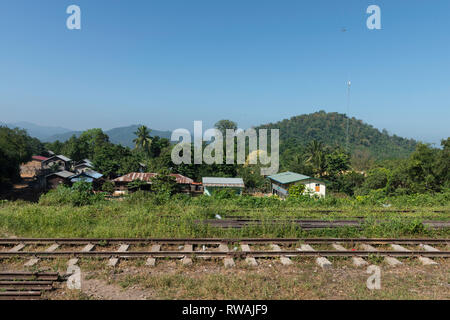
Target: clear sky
[(166, 63)]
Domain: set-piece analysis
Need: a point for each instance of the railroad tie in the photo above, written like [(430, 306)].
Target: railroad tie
[(187, 260), (357, 261), (86, 248), (113, 261), (389, 260), (17, 248), (323, 262), (251, 261), (425, 261), (427, 247), (283, 259), (227, 262), (151, 262), (35, 260)]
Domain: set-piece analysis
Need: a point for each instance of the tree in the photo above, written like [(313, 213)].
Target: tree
[(421, 169), (337, 162), (315, 151), (16, 147), (164, 183), (361, 159), (223, 125), (143, 139)]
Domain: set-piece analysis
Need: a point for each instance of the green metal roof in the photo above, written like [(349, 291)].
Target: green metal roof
[(289, 177)]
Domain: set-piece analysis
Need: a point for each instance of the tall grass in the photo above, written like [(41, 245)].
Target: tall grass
[(141, 215)]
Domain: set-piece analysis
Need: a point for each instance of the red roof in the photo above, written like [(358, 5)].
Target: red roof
[(39, 158), (147, 176)]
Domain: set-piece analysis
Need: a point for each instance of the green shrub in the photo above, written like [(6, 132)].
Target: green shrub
[(80, 194), (296, 190)]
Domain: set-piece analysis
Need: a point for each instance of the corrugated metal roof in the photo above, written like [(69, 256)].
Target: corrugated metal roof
[(93, 174), (63, 174), (288, 177), (84, 164), (86, 161), (222, 182), (64, 158), (87, 174), (60, 157), (147, 177), (82, 178)]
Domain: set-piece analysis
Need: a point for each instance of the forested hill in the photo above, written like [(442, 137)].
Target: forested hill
[(330, 128)]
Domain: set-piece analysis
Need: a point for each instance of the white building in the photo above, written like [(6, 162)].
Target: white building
[(282, 181)]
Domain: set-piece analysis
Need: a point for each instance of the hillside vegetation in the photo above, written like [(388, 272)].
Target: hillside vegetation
[(330, 129)]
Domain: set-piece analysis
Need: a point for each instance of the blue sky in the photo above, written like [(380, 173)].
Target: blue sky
[(168, 63)]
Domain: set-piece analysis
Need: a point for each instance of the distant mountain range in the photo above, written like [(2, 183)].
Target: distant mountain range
[(120, 135), (37, 131), (330, 128)]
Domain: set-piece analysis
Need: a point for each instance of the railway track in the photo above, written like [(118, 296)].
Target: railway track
[(305, 224), (30, 251), (26, 285), (45, 248)]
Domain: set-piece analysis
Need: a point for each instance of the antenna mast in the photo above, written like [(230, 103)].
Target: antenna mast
[(348, 110)]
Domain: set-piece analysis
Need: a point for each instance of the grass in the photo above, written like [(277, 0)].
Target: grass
[(143, 218), (271, 280)]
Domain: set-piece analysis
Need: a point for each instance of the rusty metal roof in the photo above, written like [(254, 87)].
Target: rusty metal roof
[(147, 177), (39, 158)]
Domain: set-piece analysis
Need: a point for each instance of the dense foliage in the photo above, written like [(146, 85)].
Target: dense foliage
[(80, 194), (16, 147), (330, 128), (417, 168)]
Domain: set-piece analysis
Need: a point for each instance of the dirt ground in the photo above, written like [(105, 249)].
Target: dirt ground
[(209, 279)]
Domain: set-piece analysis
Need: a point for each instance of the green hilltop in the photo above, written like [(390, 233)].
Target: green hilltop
[(330, 128)]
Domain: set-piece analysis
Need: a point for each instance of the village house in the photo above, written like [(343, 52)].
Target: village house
[(83, 165), (32, 168), (211, 184), (282, 181), (58, 162), (53, 180), (90, 176), (185, 184)]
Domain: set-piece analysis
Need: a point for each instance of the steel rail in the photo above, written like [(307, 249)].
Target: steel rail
[(105, 241), (222, 254)]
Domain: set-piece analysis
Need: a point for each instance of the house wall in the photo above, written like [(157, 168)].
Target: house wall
[(30, 169), (61, 164), (54, 181), (282, 189), (311, 186), (210, 190)]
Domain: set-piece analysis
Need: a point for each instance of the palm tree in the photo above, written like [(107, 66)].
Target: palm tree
[(316, 156), (143, 139)]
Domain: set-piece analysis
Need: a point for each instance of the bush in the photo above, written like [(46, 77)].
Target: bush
[(108, 187), (80, 194), (296, 190)]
